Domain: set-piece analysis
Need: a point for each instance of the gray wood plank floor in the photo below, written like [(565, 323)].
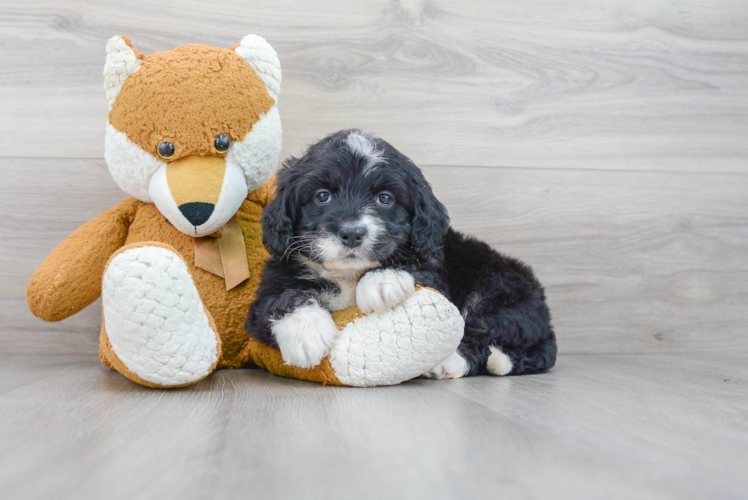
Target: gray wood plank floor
[(603, 142), (615, 426)]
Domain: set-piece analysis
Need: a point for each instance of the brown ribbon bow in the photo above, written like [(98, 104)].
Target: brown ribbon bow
[(224, 254)]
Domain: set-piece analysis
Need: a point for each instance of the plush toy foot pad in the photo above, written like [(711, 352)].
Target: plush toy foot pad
[(154, 318), (400, 344)]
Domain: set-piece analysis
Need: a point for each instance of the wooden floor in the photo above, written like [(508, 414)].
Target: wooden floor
[(605, 143), (598, 426)]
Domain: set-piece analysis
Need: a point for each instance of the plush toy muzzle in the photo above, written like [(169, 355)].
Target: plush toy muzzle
[(198, 194)]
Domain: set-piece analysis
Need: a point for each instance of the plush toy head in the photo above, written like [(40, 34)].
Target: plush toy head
[(194, 129)]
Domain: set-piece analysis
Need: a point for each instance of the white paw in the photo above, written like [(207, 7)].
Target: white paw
[(305, 336), (455, 366), (380, 290)]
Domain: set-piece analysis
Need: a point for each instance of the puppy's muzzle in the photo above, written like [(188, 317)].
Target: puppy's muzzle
[(352, 237)]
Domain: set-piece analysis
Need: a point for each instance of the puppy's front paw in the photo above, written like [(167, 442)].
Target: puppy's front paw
[(305, 335), (383, 289)]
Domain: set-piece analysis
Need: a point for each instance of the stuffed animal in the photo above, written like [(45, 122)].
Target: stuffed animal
[(194, 137)]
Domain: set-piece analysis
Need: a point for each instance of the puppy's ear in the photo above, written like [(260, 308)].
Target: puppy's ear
[(430, 221), (278, 220), (279, 217)]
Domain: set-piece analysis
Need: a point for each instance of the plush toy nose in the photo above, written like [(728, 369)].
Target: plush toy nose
[(352, 236), (197, 212)]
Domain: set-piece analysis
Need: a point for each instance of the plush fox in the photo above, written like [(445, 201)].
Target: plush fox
[(194, 137)]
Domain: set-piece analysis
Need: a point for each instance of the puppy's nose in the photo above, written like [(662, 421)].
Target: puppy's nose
[(196, 212), (352, 236)]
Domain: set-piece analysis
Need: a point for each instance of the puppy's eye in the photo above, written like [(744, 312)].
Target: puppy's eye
[(222, 143), (385, 199), (165, 150), (323, 197)]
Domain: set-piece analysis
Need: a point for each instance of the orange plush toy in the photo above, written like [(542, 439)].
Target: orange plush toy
[(193, 137)]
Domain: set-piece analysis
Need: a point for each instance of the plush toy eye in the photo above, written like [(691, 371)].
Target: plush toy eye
[(166, 150), (322, 197), (385, 199), (222, 143)]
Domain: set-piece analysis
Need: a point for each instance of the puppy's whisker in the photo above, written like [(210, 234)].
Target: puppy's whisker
[(289, 250), (297, 246), (316, 253), (304, 237), (406, 252), (400, 255)]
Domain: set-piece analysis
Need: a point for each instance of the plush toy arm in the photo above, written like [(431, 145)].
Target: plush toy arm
[(69, 279)]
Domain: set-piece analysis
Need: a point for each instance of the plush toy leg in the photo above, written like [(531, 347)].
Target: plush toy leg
[(380, 349), (156, 331)]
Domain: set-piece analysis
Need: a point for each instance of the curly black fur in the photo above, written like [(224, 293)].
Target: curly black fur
[(501, 300), (503, 304)]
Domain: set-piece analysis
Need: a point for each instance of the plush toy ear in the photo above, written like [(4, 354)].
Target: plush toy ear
[(122, 60), (263, 58), (278, 219)]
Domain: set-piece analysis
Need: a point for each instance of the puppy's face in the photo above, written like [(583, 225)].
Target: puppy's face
[(351, 203), (351, 218)]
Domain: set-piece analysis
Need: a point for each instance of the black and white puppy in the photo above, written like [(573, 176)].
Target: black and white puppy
[(354, 222)]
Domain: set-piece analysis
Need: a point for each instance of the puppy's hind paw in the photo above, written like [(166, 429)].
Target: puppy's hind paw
[(455, 366), (305, 336), (383, 289)]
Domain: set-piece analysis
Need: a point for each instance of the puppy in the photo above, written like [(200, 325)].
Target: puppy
[(354, 222)]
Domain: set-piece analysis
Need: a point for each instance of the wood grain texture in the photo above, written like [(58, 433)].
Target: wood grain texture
[(595, 427), (601, 85), (43, 202), (632, 262)]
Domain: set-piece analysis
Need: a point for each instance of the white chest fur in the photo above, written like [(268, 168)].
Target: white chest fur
[(346, 279), (335, 300)]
